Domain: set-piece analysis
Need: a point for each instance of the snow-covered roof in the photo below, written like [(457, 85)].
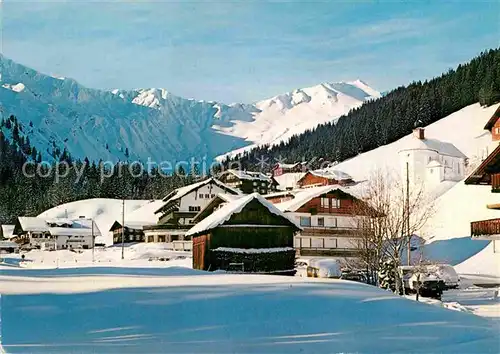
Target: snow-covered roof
[(302, 196), (7, 231), (492, 121), (249, 175), (8, 244), (331, 174), (434, 163), (289, 180), (234, 207), (33, 224), (278, 194), (59, 221), (289, 165), (229, 197), (71, 231), (135, 225), (182, 191), (441, 147), (78, 226)]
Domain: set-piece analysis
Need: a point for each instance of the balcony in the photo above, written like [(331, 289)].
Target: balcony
[(324, 231), (495, 183), (486, 229), (315, 245)]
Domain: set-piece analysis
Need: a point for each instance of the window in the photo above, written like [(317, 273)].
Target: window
[(305, 221), (213, 195), (325, 203), (194, 208), (207, 196), (334, 222), (321, 221), (335, 203), (330, 242), (201, 196)]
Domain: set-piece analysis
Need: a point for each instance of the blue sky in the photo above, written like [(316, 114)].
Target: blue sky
[(242, 51)]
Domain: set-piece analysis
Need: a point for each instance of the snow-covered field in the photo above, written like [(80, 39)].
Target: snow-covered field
[(140, 255), (182, 310)]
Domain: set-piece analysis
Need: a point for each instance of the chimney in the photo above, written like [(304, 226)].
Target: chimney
[(419, 133)]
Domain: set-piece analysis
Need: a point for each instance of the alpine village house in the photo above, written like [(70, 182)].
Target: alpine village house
[(246, 233), (328, 218), (488, 173), (248, 182), (175, 216)]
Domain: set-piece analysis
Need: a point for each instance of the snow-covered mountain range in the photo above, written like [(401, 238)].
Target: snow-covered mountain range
[(153, 123)]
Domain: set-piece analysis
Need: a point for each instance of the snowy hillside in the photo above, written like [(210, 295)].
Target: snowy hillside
[(153, 123), (456, 204), (464, 129)]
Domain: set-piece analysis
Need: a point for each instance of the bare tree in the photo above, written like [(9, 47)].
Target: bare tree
[(386, 216)]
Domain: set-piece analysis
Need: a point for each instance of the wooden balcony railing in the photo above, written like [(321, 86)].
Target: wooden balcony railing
[(495, 183), (485, 227)]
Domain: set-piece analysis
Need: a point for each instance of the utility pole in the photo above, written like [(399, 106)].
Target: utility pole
[(123, 228), (93, 239), (408, 212)]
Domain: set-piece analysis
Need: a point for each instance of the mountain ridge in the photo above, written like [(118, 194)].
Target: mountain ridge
[(153, 123)]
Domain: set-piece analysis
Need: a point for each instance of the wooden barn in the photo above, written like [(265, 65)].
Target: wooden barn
[(324, 178), (247, 234)]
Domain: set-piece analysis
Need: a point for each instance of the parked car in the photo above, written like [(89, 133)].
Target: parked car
[(423, 280), (446, 273)]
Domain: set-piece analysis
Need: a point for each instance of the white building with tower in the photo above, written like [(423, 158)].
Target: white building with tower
[(431, 161)]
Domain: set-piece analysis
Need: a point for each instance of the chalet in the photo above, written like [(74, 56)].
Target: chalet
[(175, 216), (56, 233), (487, 173), (133, 231), (327, 216), (431, 161), (248, 182), (282, 168), (493, 125), (246, 233), (324, 178)]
